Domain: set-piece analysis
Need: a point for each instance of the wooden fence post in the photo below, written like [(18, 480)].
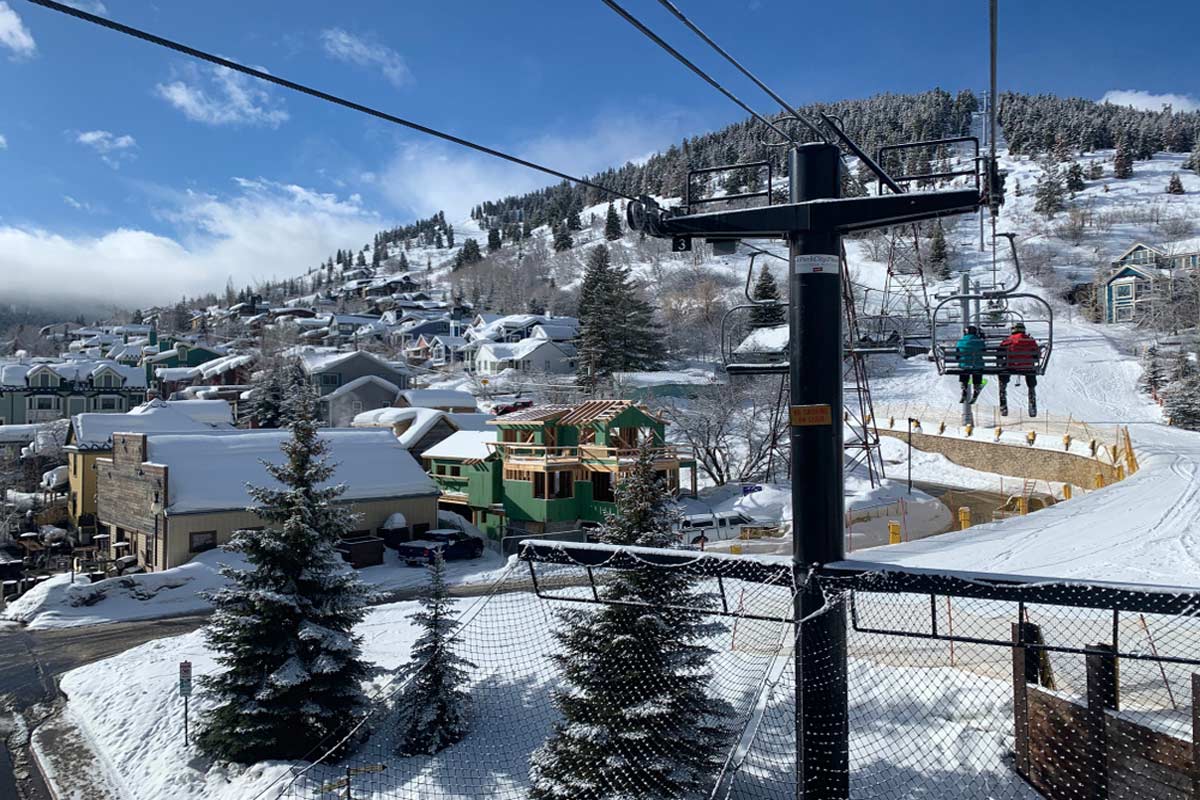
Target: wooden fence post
[(1103, 693)]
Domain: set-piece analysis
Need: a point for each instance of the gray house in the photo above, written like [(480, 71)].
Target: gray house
[(339, 378)]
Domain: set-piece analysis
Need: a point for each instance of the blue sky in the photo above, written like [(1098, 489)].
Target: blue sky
[(132, 174)]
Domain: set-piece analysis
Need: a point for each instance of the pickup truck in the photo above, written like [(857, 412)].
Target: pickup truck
[(451, 542)]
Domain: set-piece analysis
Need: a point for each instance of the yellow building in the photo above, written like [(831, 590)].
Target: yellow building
[(90, 438), (164, 497)]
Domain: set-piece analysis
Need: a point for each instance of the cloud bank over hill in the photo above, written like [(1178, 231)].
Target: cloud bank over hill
[(262, 230)]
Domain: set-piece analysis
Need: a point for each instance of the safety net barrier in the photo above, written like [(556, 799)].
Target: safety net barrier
[(966, 686)]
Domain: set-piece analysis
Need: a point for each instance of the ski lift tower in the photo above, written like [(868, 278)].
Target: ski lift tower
[(813, 222)]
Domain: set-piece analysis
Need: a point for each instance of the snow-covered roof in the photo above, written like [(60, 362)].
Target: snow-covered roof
[(74, 369), (516, 351), (321, 359), (210, 472), (176, 373), (557, 331), (465, 445), (358, 383), (438, 398), (219, 366), (18, 434), (420, 421), (94, 431), (207, 412)]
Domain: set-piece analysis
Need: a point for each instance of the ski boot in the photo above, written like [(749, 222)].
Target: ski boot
[(975, 394), (965, 396), (1032, 403)]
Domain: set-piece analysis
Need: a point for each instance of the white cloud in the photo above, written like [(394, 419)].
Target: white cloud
[(3, 142), (345, 46), (428, 177), (265, 230), (14, 35), (1148, 101), (112, 148), (90, 6), (219, 96)]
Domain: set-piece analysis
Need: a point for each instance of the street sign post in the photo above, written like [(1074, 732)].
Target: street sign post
[(185, 691)]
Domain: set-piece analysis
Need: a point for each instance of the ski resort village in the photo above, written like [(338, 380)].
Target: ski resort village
[(659, 399)]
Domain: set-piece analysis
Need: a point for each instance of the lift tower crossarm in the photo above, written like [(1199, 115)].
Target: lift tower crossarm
[(842, 215)]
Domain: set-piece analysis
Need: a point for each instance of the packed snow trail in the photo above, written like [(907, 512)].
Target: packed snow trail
[(1145, 529)]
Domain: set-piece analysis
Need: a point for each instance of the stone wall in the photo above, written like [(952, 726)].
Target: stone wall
[(1023, 461)]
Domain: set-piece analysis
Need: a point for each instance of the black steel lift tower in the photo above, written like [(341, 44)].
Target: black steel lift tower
[(813, 223)]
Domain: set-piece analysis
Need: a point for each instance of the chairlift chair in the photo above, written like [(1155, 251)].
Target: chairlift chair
[(751, 356), (947, 325)]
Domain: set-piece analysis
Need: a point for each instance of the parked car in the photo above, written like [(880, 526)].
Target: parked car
[(699, 529), (509, 406), (451, 542)]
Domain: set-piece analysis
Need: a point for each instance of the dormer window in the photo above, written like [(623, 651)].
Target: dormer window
[(107, 380), (44, 379)]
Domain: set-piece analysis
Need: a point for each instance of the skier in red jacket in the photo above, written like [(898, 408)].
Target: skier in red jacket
[(1021, 354)]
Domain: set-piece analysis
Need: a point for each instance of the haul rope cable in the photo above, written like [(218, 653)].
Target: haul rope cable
[(312, 92)]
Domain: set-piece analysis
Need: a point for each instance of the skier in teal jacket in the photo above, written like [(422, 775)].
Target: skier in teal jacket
[(969, 350)]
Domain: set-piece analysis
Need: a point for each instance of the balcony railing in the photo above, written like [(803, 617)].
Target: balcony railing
[(549, 455)]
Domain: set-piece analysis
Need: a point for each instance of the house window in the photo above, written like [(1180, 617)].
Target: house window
[(1124, 290), (331, 379), (356, 407), (602, 487), (108, 403), (199, 541), (455, 470), (43, 403), (44, 380)]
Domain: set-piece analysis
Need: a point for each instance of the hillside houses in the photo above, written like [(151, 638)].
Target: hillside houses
[(42, 390)]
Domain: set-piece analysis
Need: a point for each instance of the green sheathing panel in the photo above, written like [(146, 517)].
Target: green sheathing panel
[(520, 504), (591, 510), (480, 482)]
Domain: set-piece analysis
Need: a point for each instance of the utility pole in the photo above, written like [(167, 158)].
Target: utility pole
[(964, 289)]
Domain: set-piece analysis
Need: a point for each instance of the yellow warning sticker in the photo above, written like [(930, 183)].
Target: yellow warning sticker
[(805, 416)]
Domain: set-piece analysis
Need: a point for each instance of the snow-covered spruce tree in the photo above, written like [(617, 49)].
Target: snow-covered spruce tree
[(1182, 402), (493, 240), (269, 392), (1174, 185), (1075, 182), (1122, 161), (282, 632), (939, 253), (612, 224), (638, 720), (1095, 171), (562, 238), (1182, 367), (433, 708), (594, 345), (765, 288), (1154, 375), (1049, 193)]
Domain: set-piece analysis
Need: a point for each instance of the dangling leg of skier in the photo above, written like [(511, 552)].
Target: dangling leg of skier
[(1004, 395), (1031, 382), (978, 380), (965, 380)]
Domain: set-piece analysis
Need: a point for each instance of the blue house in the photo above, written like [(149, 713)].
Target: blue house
[(1141, 276)]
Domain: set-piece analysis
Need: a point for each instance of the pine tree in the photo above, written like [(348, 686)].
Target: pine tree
[(437, 240), (1095, 171), (1182, 367), (282, 630), (939, 253), (1182, 402), (562, 239), (638, 338), (361, 260), (573, 221), (594, 344), (1174, 185), (634, 674), (1075, 178), (1122, 161), (1154, 376), (765, 288), (493, 240), (612, 224), (433, 708), (1193, 161), (403, 262), (449, 236), (1049, 193), (269, 392)]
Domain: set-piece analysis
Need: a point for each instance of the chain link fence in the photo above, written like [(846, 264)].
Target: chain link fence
[(964, 686)]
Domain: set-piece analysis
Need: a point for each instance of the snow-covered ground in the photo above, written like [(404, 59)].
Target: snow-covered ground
[(58, 603)]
